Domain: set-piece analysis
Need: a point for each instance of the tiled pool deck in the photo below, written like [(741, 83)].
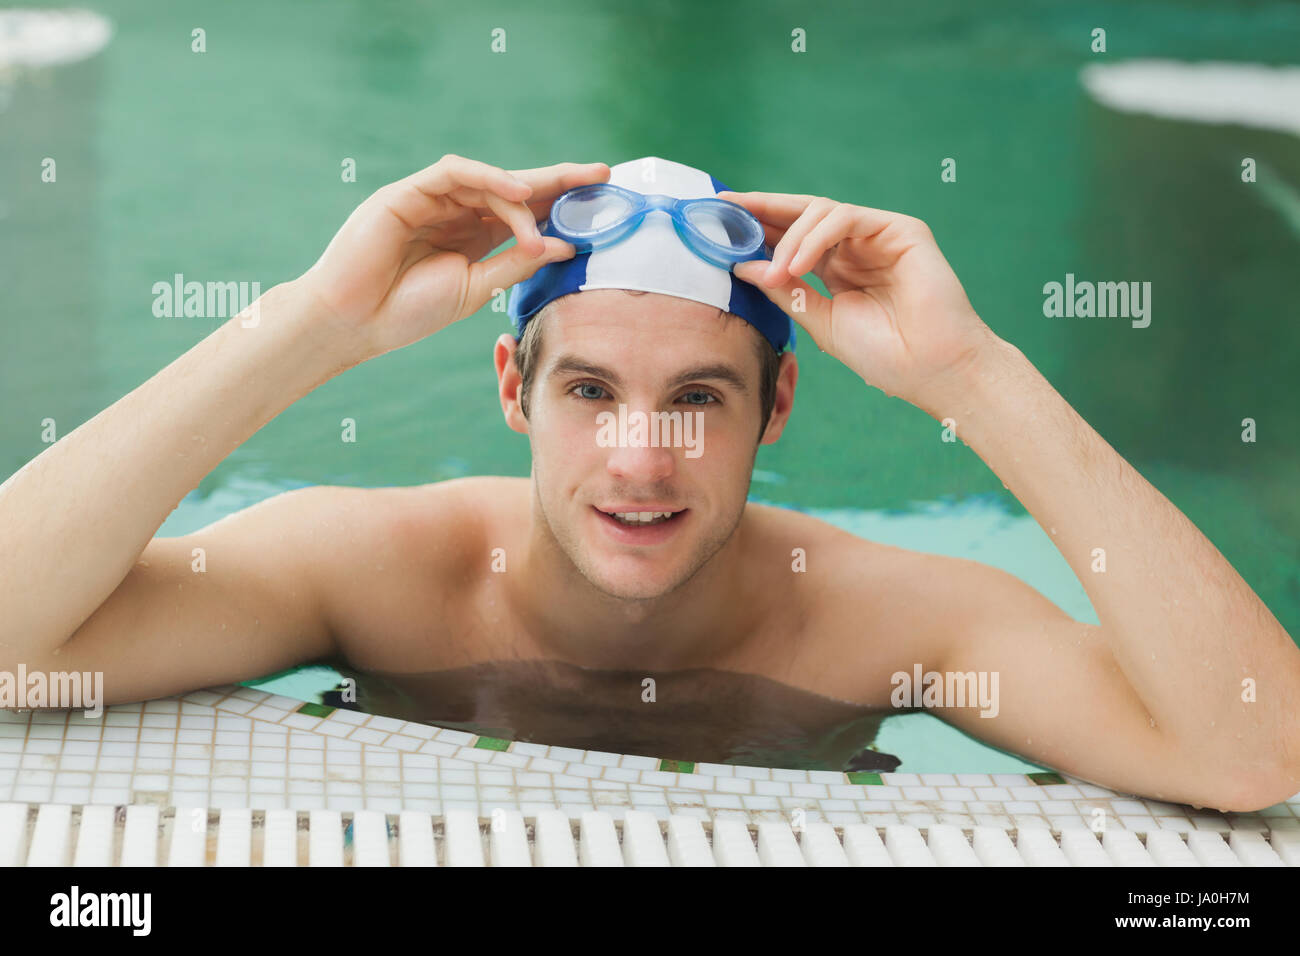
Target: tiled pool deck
[(234, 746)]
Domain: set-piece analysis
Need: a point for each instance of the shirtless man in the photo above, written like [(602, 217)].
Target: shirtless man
[(402, 580)]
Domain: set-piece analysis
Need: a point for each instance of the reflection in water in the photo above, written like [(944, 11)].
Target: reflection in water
[(700, 715)]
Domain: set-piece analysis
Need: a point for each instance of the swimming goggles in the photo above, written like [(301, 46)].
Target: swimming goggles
[(719, 232)]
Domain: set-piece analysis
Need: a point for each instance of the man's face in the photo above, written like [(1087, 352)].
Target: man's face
[(651, 354)]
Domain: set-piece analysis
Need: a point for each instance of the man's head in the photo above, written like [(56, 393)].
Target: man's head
[(530, 348), (590, 353)]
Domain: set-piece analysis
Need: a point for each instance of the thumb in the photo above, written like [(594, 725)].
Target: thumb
[(794, 297), (513, 265)]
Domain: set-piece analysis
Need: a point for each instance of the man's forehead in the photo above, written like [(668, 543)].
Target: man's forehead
[(605, 316), (656, 336)]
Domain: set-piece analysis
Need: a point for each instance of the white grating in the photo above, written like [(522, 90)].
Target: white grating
[(138, 835)]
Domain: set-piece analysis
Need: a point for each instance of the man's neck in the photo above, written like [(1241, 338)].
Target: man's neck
[(569, 619)]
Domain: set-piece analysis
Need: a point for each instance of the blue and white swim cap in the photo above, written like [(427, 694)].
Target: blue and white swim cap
[(654, 259)]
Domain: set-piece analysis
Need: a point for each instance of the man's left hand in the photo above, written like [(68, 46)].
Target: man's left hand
[(898, 316)]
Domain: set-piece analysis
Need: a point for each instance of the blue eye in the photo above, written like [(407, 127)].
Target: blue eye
[(710, 398), (587, 395)]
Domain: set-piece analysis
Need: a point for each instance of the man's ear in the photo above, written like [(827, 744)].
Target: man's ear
[(786, 376), (509, 383)]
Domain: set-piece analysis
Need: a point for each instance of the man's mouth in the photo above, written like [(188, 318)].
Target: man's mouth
[(640, 519)]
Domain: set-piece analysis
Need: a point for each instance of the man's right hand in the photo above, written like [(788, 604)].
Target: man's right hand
[(409, 260)]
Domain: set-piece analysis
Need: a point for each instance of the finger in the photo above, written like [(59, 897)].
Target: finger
[(549, 182), (521, 222), (795, 298), (840, 223), (507, 268), (497, 231), (452, 171), (778, 209), (771, 234), (785, 250), (546, 190), (782, 209), (422, 197)]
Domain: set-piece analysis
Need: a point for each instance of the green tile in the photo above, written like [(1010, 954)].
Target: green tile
[(492, 743), (315, 710), (1043, 778), (866, 779), (677, 766)]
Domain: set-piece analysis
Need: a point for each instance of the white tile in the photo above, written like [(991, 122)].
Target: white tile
[(637, 762), (815, 791), (920, 793), (938, 780), (566, 754), (733, 785), (658, 778), (720, 800), (435, 747), (904, 779), (787, 775), (957, 793), (457, 737), (715, 769)]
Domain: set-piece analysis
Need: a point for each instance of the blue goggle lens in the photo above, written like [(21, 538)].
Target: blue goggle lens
[(727, 225), (587, 213)]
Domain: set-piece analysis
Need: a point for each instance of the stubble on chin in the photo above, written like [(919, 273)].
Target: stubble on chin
[(701, 555)]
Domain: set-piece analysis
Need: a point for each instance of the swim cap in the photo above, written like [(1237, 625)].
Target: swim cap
[(654, 259)]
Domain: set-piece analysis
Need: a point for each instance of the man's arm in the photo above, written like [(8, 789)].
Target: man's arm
[(1182, 627), (77, 517), (254, 606), (75, 521), (1154, 700)]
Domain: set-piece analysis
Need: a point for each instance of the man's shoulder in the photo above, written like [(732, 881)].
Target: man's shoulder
[(856, 586), (444, 522), (395, 566), (844, 553), (834, 548)]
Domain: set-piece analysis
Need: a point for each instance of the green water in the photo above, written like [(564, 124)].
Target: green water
[(226, 166)]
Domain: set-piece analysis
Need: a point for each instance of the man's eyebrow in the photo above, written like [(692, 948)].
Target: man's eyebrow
[(718, 372), (570, 364)]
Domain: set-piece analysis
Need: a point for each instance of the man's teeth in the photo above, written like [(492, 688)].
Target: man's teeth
[(642, 517)]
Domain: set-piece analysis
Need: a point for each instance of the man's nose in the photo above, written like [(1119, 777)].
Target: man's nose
[(637, 460)]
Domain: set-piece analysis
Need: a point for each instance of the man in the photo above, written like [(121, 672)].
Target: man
[(1187, 690)]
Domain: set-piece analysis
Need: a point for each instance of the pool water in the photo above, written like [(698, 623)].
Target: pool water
[(225, 166)]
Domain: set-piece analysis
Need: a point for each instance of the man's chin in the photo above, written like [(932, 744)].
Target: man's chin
[(634, 580), (623, 588)]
